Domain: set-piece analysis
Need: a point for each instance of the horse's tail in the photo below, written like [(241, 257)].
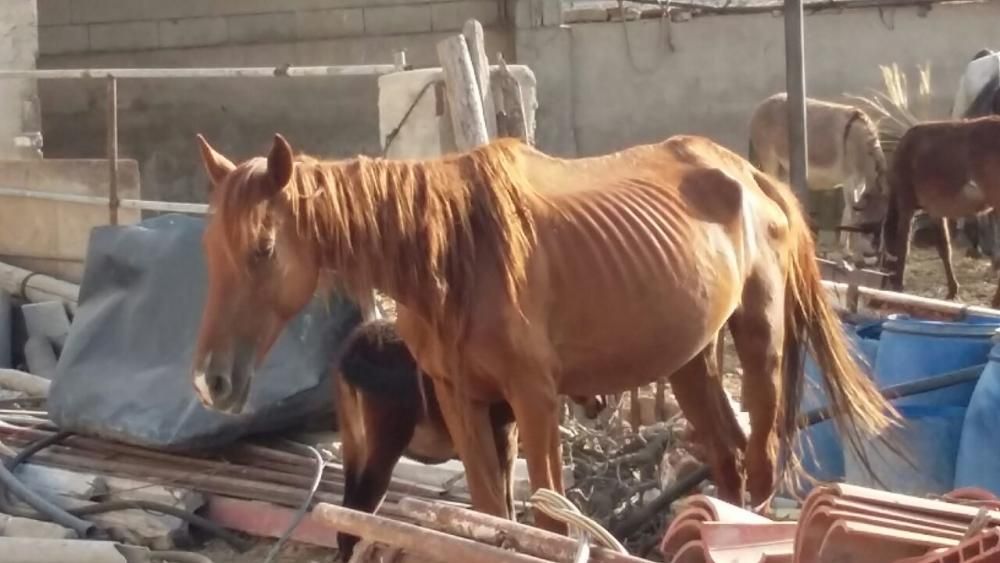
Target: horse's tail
[(861, 413)]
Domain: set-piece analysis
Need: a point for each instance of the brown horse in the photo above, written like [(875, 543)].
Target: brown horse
[(949, 169), (520, 277), (384, 414)]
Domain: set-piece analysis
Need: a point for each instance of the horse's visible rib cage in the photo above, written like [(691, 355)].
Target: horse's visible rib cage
[(519, 277)]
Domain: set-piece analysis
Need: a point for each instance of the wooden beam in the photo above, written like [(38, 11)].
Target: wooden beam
[(475, 39), (464, 103), (513, 121), (497, 531), (413, 538)]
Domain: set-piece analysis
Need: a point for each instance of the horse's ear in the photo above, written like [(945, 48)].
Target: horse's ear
[(280, 163), (216, 166)]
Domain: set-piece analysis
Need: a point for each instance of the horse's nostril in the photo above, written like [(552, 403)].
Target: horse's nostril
[(218, 385)]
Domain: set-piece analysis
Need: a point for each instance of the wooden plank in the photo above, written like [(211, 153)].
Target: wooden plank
[(413, 538), (497, 531), (464, 103), (510, 100), (476, 42)]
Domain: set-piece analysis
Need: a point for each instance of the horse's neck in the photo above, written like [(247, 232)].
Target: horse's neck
[(372, 262)]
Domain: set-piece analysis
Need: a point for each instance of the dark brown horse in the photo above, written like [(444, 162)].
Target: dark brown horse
[(384, 413), (521, 277), (948, 169)]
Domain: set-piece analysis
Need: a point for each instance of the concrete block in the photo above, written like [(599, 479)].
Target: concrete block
[(453, 15), (391, 20), (122, 488), (14, 527), (124, 36), (136, 527), (62, 39), (536, 13), (107, 11), (174, 9), (47, 319), (253, 28), (192, 32), (40, 357), (322, 24), (52, 482), (54, 12)]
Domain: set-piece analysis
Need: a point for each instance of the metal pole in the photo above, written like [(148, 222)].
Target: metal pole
[(112, 150), (795, 78)]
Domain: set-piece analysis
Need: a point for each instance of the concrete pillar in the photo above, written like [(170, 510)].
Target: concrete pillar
[(20, 115)]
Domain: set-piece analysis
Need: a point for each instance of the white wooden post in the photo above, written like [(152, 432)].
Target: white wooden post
[(465, 105), (476, 42)]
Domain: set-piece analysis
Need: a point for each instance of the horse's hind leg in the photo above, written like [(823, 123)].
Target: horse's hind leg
[(697, 386), (757, 327), (944, 251), (505, 435)]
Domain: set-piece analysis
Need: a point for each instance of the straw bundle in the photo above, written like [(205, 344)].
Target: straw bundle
[(891, 109)]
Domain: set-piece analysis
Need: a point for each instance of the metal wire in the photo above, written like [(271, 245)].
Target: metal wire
[(301, 512), (556, 506)]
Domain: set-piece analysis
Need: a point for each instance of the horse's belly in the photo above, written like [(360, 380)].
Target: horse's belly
[(619, 346)]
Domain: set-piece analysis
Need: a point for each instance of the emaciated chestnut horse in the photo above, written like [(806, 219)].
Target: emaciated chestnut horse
[(519, 277), (384, 413)]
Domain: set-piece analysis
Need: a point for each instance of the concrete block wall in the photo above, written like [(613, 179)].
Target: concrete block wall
[(604, 86), (332, 117), (96, 26)]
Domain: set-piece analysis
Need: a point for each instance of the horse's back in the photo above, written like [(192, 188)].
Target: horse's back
[(650, 260)]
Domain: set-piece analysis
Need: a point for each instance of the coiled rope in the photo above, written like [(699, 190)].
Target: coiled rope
[(582, 528)]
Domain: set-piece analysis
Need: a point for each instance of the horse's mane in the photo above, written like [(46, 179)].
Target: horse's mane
[(420, 227)]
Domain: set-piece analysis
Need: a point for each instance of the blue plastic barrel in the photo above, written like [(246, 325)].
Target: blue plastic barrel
[(930, 438), (912, 349), (822, 454), (978, 462)]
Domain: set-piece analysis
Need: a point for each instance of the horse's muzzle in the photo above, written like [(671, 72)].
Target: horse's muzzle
[(222, 382)]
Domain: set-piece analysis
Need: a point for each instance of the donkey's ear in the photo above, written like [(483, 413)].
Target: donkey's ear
[(216, 165), (280, 163)]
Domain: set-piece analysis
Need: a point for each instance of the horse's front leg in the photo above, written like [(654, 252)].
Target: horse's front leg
[(536, 408), (472, 431)]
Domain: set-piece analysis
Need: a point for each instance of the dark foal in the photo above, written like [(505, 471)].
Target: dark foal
[(385, 412)]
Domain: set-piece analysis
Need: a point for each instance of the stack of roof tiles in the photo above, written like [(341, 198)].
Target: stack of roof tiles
[(842, 524)]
